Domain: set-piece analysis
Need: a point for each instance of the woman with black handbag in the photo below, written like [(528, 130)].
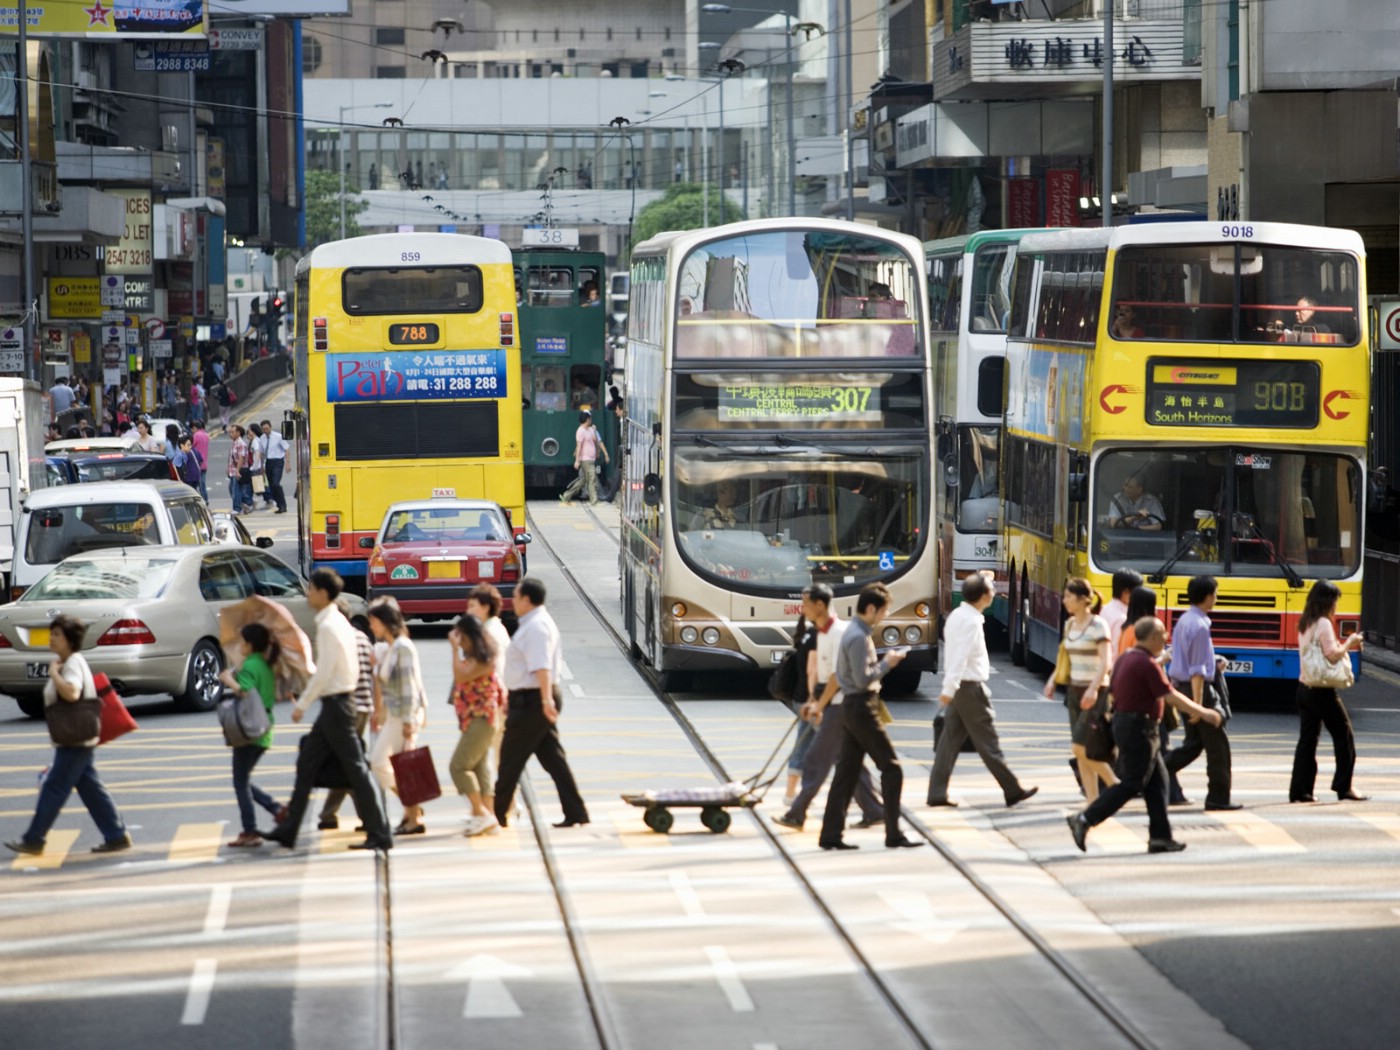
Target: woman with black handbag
[(1324, 670), (792, 685), (74, 715)]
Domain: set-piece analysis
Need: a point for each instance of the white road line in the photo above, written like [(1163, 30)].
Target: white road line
[(564, 671), (217, 915), (201, 985), (765, 1046), (727, 974), (577, 690), (690, 900)]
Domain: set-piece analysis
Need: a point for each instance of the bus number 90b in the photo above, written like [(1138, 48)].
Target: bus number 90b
[(1280, 397)]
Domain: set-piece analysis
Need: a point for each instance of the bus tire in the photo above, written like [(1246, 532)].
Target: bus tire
[(1016, 622), (675, 681), (902, 681)]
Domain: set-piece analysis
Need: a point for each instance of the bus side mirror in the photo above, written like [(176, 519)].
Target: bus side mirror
[(651, 490), (289, 430), (1078, 488)]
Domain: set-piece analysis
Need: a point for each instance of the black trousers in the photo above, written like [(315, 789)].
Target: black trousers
[(335, 797), (1318, 708), (274, 494), (821, 759), (864, 735), (1140, 770), (1202, 737), (334, 735), (528, 733)]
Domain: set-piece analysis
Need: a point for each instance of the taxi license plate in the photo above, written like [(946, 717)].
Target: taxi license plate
[(1240, 667), (444, 570), (36, 670), (38, 637)]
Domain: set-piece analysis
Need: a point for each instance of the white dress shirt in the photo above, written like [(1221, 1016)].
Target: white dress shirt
[(828, 643), (535, 647), (1115, 614), (964, 649), (337, 658)]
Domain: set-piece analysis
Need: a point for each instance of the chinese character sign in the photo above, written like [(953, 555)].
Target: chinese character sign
[(110, 19), (406, 375)]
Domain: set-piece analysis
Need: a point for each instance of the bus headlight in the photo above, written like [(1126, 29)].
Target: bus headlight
[(689, 635), (912, 634), (890, 635), (922, 610), (711, 635), (678, 609)]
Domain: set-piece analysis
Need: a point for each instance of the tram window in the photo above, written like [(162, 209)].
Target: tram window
[(583, 387), (527, 386), (551, 286), (551, 393)]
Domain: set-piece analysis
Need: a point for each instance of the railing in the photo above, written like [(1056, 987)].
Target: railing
[(1380, 599), (965, 11)]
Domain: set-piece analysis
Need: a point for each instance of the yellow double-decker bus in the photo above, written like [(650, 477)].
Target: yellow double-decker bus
[(1188, 399), (407, 385)]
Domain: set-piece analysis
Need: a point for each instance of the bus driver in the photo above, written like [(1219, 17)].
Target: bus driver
[(1134, 508)]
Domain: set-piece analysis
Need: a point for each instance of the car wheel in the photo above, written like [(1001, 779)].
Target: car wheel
[(203, 688), (33, 706)]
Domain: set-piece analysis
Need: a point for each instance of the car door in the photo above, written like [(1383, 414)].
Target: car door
[(279, 583)]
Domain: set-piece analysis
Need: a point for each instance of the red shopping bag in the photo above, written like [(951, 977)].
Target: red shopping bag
[(116, 719), (416, 778)]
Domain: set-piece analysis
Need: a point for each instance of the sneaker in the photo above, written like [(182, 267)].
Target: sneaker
[(247, 840), (784, 821), (481, 826)]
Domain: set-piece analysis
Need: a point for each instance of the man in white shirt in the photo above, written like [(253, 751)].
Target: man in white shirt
[(274, 462), (966, 699), (333, 737), (1125, 581), (62, 396), (824, 709), (532, 671)]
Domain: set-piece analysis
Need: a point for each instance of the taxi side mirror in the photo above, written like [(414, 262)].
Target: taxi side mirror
[(524, 538), (366, 542), (263, 541)]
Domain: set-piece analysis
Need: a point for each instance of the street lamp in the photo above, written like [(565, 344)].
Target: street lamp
[(724, 9), (340, 153)]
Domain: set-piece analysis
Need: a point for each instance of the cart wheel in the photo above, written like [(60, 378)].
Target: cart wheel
[(660, 820), (716, 818)]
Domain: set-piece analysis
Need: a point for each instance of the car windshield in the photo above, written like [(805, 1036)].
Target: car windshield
[(56, 532), (1235, 510), (122, 468), (774, 521), (444, 524), (119, 578)]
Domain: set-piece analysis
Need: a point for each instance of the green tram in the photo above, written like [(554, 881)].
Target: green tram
[(563, 309)]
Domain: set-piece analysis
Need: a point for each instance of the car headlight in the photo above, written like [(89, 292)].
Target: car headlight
[(689, 635), (711, 635), (912, 634), (890, 635)]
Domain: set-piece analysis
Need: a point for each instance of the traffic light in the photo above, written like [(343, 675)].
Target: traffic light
[(275, 302)]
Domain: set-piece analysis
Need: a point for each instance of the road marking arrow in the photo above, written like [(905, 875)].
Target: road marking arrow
[(916, 909), (487, 994)]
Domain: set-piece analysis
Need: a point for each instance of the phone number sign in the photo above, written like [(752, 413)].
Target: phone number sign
[(406, 375)]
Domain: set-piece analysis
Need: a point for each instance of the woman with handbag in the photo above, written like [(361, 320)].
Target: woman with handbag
[(260, 655), (401, 705), (804, 647), (1083, 671), (74, 715), (1325, 670), (479, 698)]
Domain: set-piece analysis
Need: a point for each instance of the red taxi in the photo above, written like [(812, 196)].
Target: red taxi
[(430, 553)]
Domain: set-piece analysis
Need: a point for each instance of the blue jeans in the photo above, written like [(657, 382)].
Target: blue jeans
[(72, 767), (244, 759), (806, 733), (240, 493)]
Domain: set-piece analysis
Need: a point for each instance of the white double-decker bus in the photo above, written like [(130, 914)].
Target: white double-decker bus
[(777, 435)]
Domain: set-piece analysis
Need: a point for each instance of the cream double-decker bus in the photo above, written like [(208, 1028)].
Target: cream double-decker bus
[(778, 434)]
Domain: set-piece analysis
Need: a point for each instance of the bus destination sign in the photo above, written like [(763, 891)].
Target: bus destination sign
[(1232, 393), (416, 375), (802, 402), (420, 333)]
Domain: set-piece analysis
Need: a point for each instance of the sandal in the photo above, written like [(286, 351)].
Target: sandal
[(247, 840), (405, 828)]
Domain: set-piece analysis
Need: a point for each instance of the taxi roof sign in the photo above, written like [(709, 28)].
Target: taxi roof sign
[(444, 493)]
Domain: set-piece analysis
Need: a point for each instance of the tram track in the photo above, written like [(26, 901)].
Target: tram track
[(902, 1011)]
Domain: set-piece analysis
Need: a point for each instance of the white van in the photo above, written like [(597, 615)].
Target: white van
[(57, 522)]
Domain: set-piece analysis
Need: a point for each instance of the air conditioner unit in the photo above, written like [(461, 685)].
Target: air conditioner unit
[(84, 80), (668, 52)]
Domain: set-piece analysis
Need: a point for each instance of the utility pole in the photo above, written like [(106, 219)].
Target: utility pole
[(26, 196), (1106, 190)]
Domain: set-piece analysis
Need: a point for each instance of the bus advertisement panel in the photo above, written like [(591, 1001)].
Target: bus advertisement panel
[(407, 385), (1189, 399)]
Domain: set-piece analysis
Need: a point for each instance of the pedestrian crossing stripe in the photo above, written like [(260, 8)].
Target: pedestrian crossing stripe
[(1263, 835), (56, 848), (1386, 822), (194, 842), (1115, 836)]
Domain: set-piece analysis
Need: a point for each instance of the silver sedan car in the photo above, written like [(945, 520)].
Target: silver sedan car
[(152, 616)]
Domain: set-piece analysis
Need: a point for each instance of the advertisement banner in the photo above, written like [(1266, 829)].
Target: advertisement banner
[(82, 348), (1062, 197), (75, 298), (1022, 203), (111, 19), (133, 252), (408, 375)]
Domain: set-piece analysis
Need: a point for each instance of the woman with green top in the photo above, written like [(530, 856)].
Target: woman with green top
[(260, 653)]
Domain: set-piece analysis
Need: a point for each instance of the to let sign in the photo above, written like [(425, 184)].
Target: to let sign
[(133, 252)]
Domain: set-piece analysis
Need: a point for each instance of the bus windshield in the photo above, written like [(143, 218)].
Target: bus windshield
[(797, 294), (1224, 293), (772, 522), (990, 309), (1232, 509)]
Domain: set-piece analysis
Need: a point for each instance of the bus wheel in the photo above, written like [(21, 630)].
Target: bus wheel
[(1016, 627), (902, 681), (675, 681)]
